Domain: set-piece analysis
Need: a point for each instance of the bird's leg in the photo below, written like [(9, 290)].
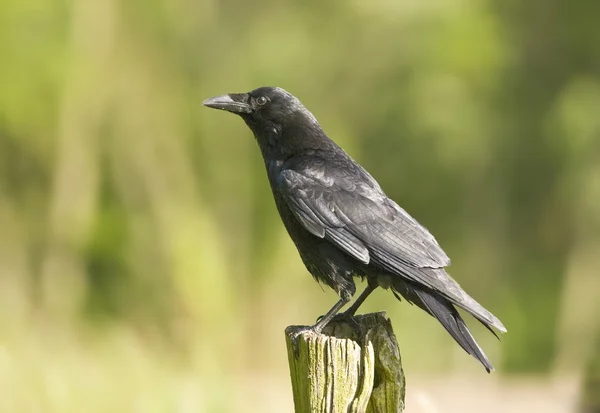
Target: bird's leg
[(324, 320), (361, 298), (320, 324), (348, 315)]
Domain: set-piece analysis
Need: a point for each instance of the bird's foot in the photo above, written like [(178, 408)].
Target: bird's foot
[(339, 319), (348, 319)]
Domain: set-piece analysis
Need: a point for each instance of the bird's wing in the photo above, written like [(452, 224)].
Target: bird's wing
[(343, 203)]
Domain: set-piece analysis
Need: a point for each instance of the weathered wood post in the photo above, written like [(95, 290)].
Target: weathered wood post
[(346, 369)]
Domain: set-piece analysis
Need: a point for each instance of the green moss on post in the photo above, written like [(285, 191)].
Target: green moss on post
[(346, 370)]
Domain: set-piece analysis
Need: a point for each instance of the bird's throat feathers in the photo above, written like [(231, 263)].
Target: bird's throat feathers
[(291, 135)]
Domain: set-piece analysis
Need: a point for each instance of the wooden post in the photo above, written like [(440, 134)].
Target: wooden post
[(345, 368)]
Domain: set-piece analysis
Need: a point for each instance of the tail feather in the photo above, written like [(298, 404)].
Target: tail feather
[(457, 296), (443, 310), (487, 326)]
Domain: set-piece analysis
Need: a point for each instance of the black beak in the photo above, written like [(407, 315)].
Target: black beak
[(233, 102)]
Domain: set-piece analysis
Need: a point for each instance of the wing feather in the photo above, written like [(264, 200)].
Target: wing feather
[(357, 216), (345, 205)]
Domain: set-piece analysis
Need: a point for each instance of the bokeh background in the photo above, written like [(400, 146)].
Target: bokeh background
[(143, 267)]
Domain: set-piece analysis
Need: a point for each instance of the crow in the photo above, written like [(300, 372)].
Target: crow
[(343, 224)]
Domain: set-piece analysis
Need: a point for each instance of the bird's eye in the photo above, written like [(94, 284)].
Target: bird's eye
[(261, 100)]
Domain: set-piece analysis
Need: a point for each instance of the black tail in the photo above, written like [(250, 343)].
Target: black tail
[(440, 308)]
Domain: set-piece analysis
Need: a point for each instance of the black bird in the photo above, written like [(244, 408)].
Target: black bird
[(342, 222)]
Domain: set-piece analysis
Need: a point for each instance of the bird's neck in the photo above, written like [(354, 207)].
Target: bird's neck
[(285, 141)]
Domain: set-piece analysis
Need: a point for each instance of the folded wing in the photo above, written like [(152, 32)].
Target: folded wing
[(344, 204)]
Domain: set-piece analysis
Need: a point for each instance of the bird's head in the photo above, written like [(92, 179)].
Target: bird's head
[(276, 117)]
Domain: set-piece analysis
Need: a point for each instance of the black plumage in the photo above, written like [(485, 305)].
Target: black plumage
[(342, 222)]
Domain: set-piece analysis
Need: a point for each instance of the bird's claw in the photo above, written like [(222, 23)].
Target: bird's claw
[(348, 319), (342, 318)]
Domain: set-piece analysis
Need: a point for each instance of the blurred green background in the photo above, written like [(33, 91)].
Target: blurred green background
[(143, 267)]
